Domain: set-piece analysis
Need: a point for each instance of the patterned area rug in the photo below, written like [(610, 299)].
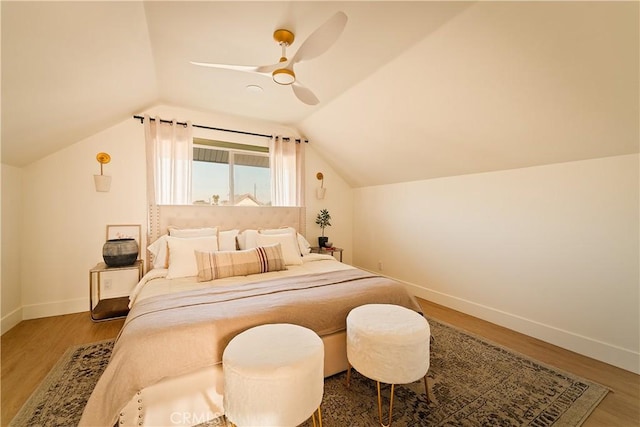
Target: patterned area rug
[(472, 382), (63, 394)]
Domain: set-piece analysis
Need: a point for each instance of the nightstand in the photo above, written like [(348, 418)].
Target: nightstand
[(330, 251), (109, 289)]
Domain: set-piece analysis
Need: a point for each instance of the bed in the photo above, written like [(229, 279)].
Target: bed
[(165, 367)]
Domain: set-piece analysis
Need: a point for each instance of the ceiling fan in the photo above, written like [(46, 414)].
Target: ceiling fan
[(282, 72)]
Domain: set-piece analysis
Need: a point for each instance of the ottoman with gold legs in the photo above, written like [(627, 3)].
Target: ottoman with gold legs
[(389, 344), (273, 376)]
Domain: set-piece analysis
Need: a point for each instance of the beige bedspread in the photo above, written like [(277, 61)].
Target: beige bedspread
[(174, 334)]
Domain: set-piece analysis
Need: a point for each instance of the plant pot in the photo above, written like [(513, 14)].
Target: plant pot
[(322, 240), (120, 252)]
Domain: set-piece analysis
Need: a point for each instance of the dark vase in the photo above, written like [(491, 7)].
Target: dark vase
[(322, 240), (120, 252)]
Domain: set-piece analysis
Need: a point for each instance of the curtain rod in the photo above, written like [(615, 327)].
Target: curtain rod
[(298, 140)]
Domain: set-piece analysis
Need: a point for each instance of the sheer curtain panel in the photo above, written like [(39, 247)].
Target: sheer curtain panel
[(169, 148), (286, 161)]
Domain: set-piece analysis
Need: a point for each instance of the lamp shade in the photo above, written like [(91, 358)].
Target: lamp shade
[(103, 182)]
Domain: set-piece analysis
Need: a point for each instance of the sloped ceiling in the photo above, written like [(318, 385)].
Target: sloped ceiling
[(500, 86), (411, 90), (69, 70)]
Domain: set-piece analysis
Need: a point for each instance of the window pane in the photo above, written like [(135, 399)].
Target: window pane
[(210, 180), (252, 183), (249, 171)]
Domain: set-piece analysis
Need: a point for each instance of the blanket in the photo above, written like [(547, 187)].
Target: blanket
[(172, 335)]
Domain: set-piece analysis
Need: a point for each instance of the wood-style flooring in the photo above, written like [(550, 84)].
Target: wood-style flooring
[(30, 350)]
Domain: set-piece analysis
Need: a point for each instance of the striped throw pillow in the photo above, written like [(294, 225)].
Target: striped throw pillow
[(220, 264)]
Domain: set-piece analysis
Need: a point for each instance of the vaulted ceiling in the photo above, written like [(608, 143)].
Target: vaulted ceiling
[(410, 90)]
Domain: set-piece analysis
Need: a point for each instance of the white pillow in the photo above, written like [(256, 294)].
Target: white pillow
[(159, 251), (303, 244), (227, 240), (193, 232), (247, 239), (159, 248), (182, 256), (283, 230), (288, 244)]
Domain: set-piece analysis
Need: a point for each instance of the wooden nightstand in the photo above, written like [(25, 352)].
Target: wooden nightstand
[(109, 289), (330, 251)]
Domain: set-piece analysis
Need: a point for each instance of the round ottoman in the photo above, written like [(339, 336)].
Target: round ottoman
[(390, 344), (273, 376)]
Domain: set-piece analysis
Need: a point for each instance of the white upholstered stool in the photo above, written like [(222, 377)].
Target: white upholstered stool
[(390, 344), (273, 376)]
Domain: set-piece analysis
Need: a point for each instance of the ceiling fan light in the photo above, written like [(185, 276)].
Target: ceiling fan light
[(284, 76)]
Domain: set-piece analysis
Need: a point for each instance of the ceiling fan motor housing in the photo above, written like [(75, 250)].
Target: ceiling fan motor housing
[(284, 76), (283, 37)]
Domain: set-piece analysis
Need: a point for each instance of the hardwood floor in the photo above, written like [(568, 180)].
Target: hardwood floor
[(30, 350)]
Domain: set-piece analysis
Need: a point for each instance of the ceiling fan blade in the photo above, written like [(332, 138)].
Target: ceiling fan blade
[(322, 38), (246, 68), (268, 69), (304, 94)]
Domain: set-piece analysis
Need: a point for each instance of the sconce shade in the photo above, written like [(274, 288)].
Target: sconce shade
[(103, 182)]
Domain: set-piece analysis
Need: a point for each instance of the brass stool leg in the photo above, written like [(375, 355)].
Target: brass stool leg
[(313, 417), (380, 405)]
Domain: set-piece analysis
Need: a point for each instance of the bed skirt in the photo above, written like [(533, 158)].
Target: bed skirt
[(197, 397)]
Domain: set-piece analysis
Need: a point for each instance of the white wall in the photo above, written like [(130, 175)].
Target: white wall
[(551, 251), (65, 218), (338, 200), (11, 295)]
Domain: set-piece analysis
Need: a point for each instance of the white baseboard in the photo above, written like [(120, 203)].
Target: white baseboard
[(10, 320), (56, 308), (604, 352)]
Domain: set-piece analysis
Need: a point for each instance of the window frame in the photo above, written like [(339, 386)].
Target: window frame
[(232, 148)]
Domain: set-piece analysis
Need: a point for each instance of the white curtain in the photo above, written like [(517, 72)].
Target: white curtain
[(286, 161), (169, 148)]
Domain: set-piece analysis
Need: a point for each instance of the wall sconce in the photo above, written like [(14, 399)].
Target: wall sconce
[(320, 192), (103, 182)]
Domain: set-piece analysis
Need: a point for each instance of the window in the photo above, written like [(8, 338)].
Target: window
[(226, 173)]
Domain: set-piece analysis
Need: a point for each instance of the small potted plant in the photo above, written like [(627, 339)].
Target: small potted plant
[(323, 220)]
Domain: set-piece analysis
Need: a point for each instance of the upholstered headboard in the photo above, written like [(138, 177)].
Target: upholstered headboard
[(224, 217)]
